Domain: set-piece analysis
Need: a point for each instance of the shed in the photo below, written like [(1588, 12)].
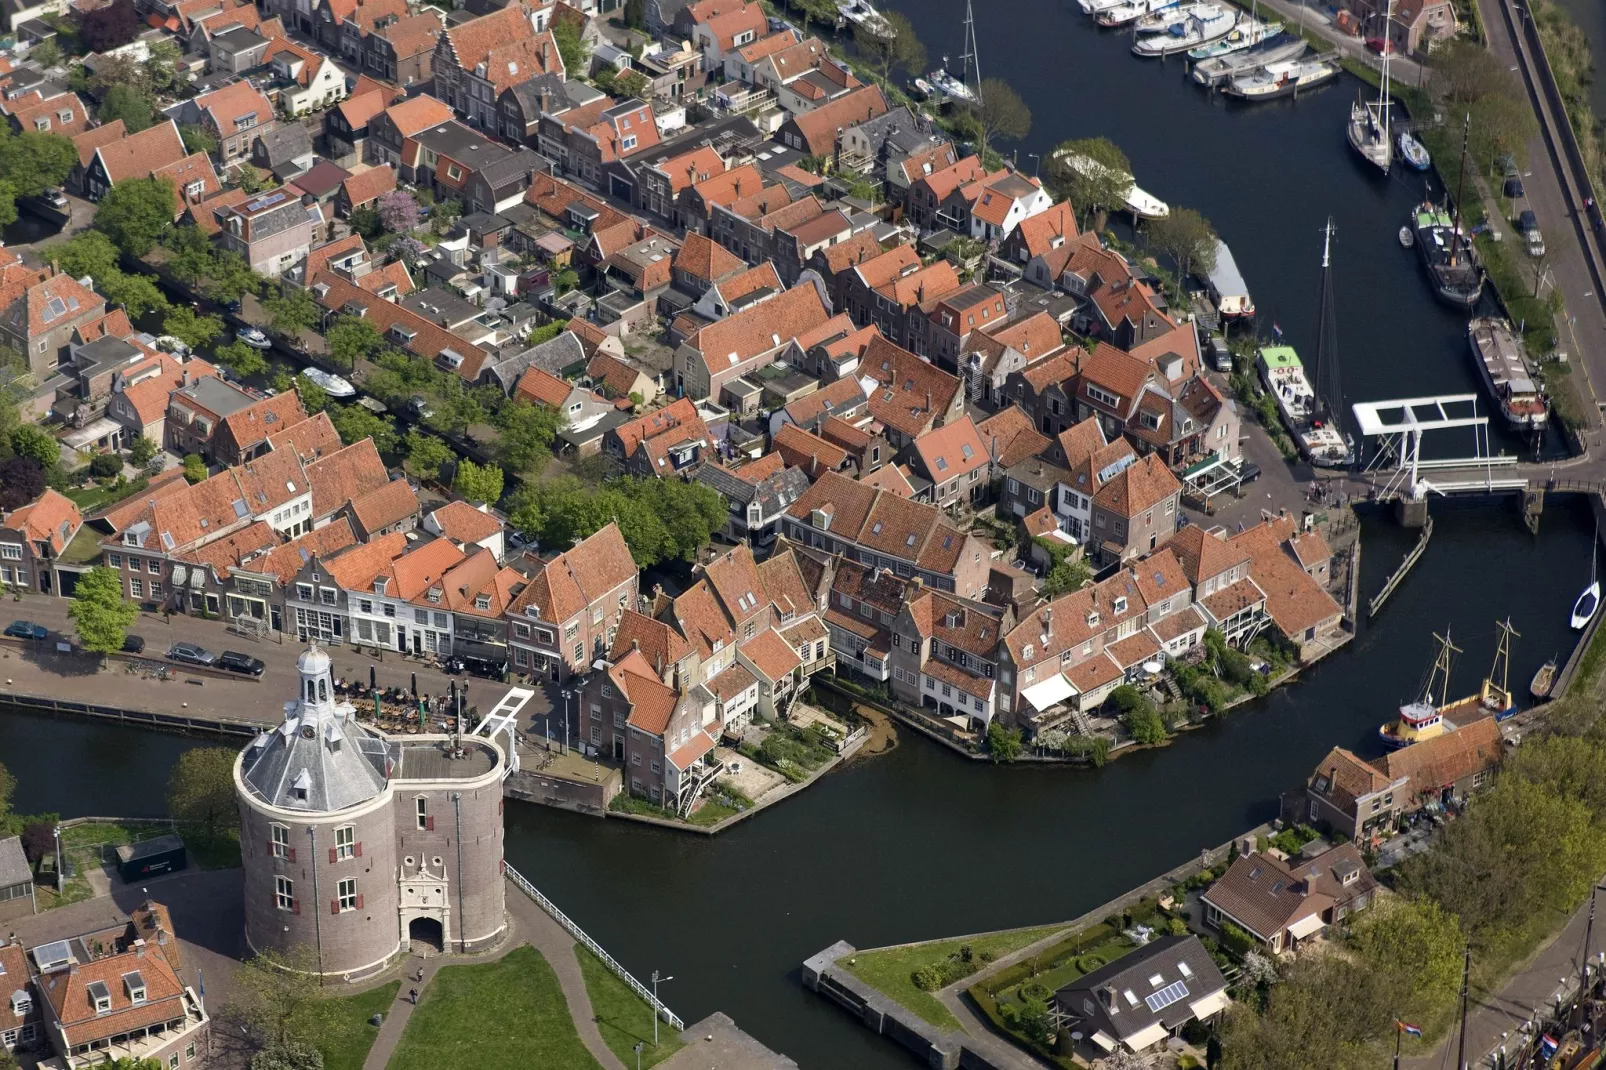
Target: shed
[(149, 858), (16, 880)]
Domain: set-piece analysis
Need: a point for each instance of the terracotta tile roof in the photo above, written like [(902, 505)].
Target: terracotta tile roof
[(542, 387), (885, 267), (784, 585), (25, 110), (819, 128), (507, 65), (51, 518), (68, 993), (1160, 576), (462, 523), (760, 329), (356, 568), (1310, 549), (807, 451), (283, 562), (930, 283), (204, 215), (589, 334), (196, 167), (429, 339), (1295, 601), (660, 644), (678, 413), (1204, 554), (750, 281), (1047, 230), (773, 656), (928, 161), (137, 155), (479, 587), (414, 116), (942, 183), (688, 168), (756, 471), (912, 394), (1010, 435), (845, 501), (850, 252), (421, 568), (390, 504), (734, 578), (729, 186), (392, 274), (1068, 622), (1042, 522), (1260, 893), (616, 377), (89, 140), (357, 109), (1033, 337), (27, 302), (224, 107), (840, 396), (767, 45), (1342, 778), (728, 25), (412, 36), (1237, 596), (124, 513), (114, 323), (698, 615), (793, 173), (1094, 673), (264, 417), (956, 623), (651, 703), (149, 396), (756, 206), (891, 479), (1137, 487), (951, 451), (370, 184), (960, 679), (344, 476), (732, 682), (577, 577)]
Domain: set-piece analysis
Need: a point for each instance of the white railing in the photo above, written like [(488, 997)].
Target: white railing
[(595, 948)]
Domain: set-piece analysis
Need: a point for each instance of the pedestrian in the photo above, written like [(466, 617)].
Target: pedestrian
[(412, 994)]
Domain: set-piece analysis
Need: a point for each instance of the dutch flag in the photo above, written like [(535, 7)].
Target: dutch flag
[(1277, 330), (1409, 1029), (1548, 1044)]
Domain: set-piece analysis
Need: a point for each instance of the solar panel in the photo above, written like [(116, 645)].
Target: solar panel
[(1168, 995)]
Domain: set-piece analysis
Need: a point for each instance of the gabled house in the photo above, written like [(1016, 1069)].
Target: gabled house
[(662, 443), (303, 79), (719, 352), (758, 494), (234, 115), (461, 64), (1146, 996), (32, 540), (565, 618), (1282, 902), (910, 396), (272, 231), (818, 132), (952, 463)]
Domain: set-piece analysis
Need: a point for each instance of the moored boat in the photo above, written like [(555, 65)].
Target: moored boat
[(1125, 14), (332, 384), (1228, 290), (1285, 79), (1368, 134), (1430, 715), (1414, 152), (1448, 256), (1246, 35), (1508, 373), (1407, 239), (861, 13), (1215, 71), (945, 84), (1164, 18), (1093, 7), (1543, 680), (1208, 24)]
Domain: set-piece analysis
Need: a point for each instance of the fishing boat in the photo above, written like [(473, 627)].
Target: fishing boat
[(1447, 255), (1589, 601), (1163, 19), (1249, 32), (1432, 715), (1508, 373), (1201, 28), (332, 384), (1285, 79), (1415, 153), (860, 13), (1124, 14), (1216, 70), (1407, 239), (1368, 129), (1544, 679)]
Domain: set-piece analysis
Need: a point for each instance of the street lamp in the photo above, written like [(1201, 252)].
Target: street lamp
[(567, 694), (56, 831), (637, 1049), (1036, 160), (656, 1006)]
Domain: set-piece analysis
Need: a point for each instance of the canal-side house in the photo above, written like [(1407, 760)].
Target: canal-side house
[(403, 605), (40, 312), (668, 738), (944, 653), (1455, 765), (882, 529), (32, 541), (20, 1014), (817, 132), (1145, 996), (1134, 512), (1349, 798), (1218, 569), (861, 605), (713, 355), (477, 593), (928, 191), (565, 618), (244, 577), (317, 604), (1296, 603), (461, 63), (1411, 25), (1282, 902), (272, 231), (1038, 235), (793, 585), (662, 443), (468, 527)]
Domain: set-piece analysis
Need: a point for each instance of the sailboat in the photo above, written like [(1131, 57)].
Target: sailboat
[(1324, 441), (1433, 715), (959, 89), (1368, 128), (1588, 602)]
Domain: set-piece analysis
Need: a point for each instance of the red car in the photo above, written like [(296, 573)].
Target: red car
[(1380, 45)]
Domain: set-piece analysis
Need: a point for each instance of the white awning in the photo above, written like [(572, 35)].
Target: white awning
[(1049, 693), (1103, 1040), (1143, 1038), (180, 574), (1302, 928), (1204, 1008), (197, 578)]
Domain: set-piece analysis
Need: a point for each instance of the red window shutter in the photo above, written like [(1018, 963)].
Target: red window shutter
[(295, 906), (356, 849), (332, 858), (334, 906), (429, 823), (359, 902), (292, 853), (270, 848)]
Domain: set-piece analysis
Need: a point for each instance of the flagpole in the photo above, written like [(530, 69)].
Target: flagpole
[(1397, 1033)]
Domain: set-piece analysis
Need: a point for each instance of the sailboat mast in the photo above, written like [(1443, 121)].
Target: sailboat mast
[(971, 57), (1461, 177), (1327, 381), (1388, 50)]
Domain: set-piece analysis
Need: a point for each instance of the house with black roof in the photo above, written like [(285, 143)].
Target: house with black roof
[(1143, 997)]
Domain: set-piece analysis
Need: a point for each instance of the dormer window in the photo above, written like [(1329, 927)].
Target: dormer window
[(100, 996), (21, 1003), (1120, 604), (380, 584), (434, 594), (482, 601), (134, 985), (1092, 618)]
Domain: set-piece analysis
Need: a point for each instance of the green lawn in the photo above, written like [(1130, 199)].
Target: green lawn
[(890, 971), (623, 1017), (508, 1013), (348, 1037)]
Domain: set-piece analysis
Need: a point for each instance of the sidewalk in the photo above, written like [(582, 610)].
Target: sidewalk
[(35, 669)]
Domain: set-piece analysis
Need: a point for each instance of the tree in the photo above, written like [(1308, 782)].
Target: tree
[(573, 50), (100, 612), (636, 14), (198, 138), (314, 398), (442, 214), (183, 323), (1414, 949), (478, 483), (244, 361), (365, 220), (230, 277), (46, 53), (22, 479), (1066, 577), (351, 339), (105, 465), (528, 432), (1187, 238), (398, 211), (1092, 173), (632, 83), (1002, 113), (897, 45), (109, 27), (194, 467), (288, 1056), (273, 1002), (94, 254), (33, 162), (120, 69), (36, 444), (8, 203), (200, 790), (142, 451), (137, 212), (1143, 724), (426, 453), (128, 104), (1003, 743), (660, 519), (38, 837), (250, 179), (355, 423), (291, 311), (8, 785), (162, 58)]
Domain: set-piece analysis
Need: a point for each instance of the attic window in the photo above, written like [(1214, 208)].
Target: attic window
[(966, 452), (876, 528), (942, 464), (1120, 604), (1184, 969), (482, 601), (911, 540), (434, 594), (100, 996), (134, 983), (733, 358)]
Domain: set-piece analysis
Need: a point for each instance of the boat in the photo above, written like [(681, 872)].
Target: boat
[(1448, 256), (862, 14), (1544, 679), (1431, 716), (1228, 290), (1247, 34), (1140, 203), (252, 337), (1162, 19), (332, 384), (1415, 153), (1285, 79), (948, 86), (1216, 70), (1093, 7), (1198, 29), (1508, 373), (167, 343), (1589, 601), (1368, 128), (924, 88), (1124, 14), (1407, 239), (959, 89)]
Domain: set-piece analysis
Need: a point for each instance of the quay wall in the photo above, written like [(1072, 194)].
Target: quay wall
[(563, 793)]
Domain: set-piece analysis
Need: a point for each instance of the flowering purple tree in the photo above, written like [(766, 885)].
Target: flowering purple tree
[(409, 249), (398, 211)]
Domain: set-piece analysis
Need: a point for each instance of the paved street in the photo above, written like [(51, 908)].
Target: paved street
[(35, 669)]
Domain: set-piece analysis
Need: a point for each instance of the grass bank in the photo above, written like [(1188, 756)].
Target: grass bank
[(623, 1018), (892, 970), (348, 1036)]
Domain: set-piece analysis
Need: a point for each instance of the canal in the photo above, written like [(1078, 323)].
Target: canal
[(920, 842)]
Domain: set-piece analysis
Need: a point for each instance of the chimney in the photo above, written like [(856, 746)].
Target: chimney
[(928, 401), (1048, 620)]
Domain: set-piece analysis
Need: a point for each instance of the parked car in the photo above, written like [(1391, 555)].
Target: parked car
[(56, 199), (25, 629), (190, 654), (1514, 187), (244, 664), (1249, 472), (420, 408), (1527, 221), (133, 644), (1379, 45)]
